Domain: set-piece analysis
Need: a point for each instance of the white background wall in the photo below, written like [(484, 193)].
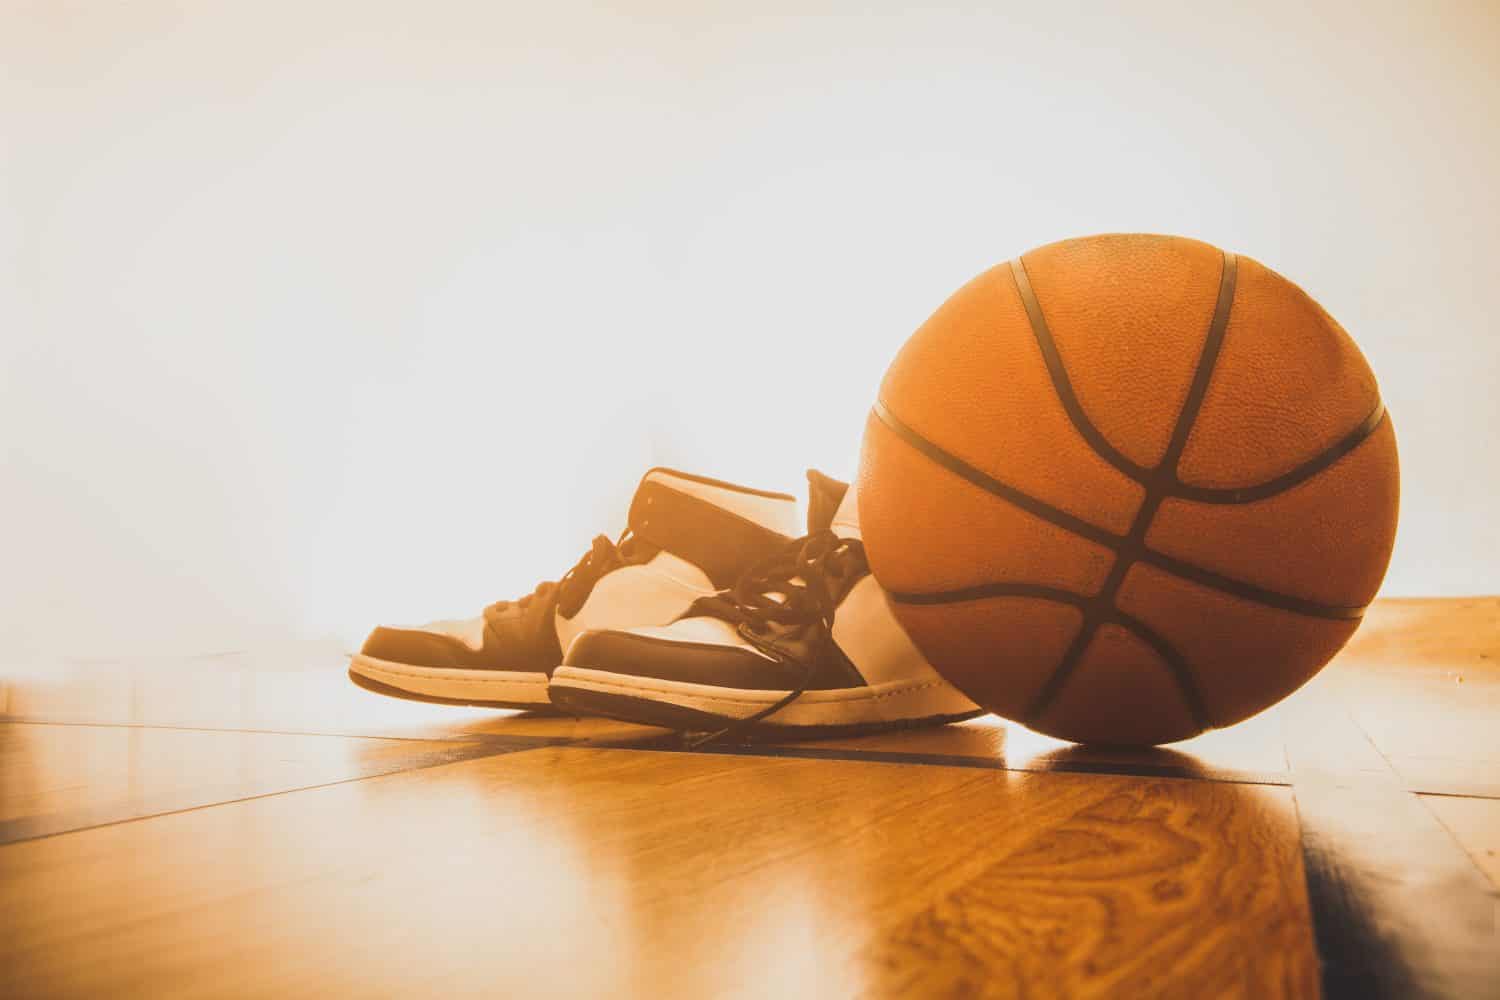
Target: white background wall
[(321, 313)]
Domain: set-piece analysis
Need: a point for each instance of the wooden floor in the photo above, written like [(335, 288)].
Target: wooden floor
[(241, 825)]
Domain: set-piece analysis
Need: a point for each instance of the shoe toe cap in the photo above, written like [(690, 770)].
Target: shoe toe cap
[(414, 646)]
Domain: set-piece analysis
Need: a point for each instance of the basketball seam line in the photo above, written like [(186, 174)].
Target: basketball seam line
[(1175, 661), (1063, 386), (1287, 480), (1102, 605), (1100, 536)]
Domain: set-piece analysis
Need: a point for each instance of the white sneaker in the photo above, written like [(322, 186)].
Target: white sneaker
[(686, 538), (803, 644)]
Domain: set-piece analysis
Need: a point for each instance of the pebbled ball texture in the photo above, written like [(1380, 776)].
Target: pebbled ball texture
[(1128, 488)]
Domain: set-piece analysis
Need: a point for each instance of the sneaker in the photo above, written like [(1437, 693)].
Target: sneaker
[(686, 538), (803, 644)]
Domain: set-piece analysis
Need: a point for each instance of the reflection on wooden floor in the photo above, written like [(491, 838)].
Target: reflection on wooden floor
[(238, 825)]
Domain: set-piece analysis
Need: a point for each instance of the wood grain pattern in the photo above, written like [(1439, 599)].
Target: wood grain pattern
[(1151, 890), (569, 872)]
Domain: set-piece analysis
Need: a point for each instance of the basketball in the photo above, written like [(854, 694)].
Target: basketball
[(1127, 488)]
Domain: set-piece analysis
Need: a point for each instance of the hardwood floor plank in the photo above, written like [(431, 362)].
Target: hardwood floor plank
[(1399, 909), (58, 778), (975, 859), (1475, 824), (570, 872), (1447, 776), (1422, 679)]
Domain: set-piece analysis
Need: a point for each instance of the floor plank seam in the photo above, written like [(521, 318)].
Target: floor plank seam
[(953, 760), (7, 838), (354, 735), (1165, 772)]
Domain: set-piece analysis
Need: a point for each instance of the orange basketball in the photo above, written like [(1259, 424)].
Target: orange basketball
[(1127, 488)]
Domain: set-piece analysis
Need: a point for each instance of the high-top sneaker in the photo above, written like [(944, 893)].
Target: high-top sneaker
[(686, 537), (803, 644)]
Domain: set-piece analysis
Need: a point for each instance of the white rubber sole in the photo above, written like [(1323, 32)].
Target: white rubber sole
[(658, 702), (502, 688)]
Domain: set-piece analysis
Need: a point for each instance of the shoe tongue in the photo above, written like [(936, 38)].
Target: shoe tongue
[(846, 518), (824, 494), (718, 527)]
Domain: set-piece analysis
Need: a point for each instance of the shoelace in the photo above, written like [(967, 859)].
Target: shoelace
[(798, 587), (577, 583)]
